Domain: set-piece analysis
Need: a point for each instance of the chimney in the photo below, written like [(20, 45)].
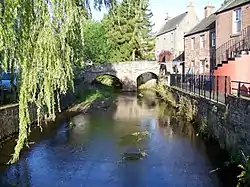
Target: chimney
[(208, 10), (167, 17), (190, 6)]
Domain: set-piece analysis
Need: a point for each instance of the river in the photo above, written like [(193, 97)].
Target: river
[(86, 150)]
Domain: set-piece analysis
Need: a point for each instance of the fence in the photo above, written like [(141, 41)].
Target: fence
[(211, 87), (240, 88)]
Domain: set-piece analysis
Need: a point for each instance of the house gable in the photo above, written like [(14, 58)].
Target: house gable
[(231, 4), (171, 24)]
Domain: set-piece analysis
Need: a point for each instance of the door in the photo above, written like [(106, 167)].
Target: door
[(202, 66)]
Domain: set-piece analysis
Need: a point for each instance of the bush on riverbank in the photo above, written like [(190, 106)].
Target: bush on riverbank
[(93, 96), (165, 93)]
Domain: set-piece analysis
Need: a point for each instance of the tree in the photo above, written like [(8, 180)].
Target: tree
[(129, 30), (45, 40), (95, 42)]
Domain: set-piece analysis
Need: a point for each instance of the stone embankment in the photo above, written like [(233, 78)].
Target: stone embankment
[(9, 115)]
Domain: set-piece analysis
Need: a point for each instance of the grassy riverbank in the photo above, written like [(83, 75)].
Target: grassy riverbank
[(93, 97)]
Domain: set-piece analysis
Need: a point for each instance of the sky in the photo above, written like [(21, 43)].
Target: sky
[(159, 9)]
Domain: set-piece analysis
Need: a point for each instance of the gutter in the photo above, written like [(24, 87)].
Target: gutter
[(166, 32), (197, 32)]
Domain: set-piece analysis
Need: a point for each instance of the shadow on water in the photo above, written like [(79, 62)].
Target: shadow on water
[(86, 150)]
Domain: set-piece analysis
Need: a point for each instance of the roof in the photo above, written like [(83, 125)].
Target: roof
[(171, 24), (203, 25), (231, 4)]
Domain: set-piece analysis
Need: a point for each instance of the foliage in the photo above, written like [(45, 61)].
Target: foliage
[(43, 40), (86, 98), (166, 94), (110, 81), (92, 94), (244, 177), (133, 138), (128, 30), (96, 47)]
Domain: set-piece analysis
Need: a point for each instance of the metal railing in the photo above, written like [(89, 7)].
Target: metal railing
[(214, 88), (240, 88), (231, 48)]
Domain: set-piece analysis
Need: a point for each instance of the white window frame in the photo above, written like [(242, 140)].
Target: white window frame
[(202, 41), (213, 39), (192, 43), (237, 20)]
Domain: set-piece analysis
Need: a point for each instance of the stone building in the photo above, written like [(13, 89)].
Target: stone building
[(200, 44), (171, 36)]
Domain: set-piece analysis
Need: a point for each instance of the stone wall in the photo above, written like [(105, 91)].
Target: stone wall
[(9, 115), (9, 120), (228, 124), (127, 72)]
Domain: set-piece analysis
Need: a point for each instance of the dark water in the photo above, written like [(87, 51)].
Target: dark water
[(89, 154)]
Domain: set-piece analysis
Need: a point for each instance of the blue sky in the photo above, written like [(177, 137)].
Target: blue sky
[(173, 7)]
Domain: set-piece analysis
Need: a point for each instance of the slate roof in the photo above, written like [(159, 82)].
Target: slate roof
[(203, 25), (231, 4), (171, 24)]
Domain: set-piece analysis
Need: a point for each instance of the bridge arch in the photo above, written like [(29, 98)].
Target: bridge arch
[(145, 77), (109, 80), (127, 72)]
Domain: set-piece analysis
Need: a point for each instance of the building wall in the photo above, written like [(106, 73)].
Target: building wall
[(193, 57), (185, 26), (238, 70), (166, 41), (176, 45), (224, 24)]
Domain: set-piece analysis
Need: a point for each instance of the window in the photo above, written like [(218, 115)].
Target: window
[(193, 66), (192, 43), (213, 39), (172, 37), (237, 21), (202, 41)]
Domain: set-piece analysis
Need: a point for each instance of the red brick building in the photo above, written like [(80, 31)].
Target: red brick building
[(233, 41), (232, 20), (200, 43)]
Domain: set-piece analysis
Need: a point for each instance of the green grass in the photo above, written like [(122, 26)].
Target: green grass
[(94, 94)]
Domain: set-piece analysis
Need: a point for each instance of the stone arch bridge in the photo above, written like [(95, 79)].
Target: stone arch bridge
[(126, 72)]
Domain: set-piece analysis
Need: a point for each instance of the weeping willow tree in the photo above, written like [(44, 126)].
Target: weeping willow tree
[(43, 40)]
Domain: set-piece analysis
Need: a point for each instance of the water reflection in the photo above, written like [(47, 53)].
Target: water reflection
[(85, 151)]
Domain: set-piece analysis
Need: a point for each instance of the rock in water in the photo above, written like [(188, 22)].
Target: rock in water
[(134, 156)]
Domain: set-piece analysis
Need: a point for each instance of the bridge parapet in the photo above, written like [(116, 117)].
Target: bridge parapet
[(127, 72)]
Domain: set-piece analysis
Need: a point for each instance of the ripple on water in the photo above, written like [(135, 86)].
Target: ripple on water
[(86, 151)]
